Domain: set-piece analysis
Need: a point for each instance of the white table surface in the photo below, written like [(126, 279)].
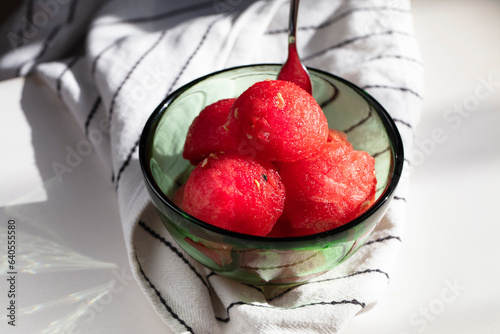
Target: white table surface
[(73, 275)]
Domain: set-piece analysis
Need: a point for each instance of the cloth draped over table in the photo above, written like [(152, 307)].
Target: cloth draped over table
[(112, 62)]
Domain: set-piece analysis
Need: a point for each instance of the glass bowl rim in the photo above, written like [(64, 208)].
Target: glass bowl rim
[(395, 142)]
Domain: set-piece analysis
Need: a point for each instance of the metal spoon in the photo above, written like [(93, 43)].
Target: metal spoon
[(292, 69)]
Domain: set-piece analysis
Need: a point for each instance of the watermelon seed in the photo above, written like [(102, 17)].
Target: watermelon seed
[(281, 101)]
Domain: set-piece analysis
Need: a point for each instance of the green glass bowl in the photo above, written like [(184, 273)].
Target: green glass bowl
[(261, 260)]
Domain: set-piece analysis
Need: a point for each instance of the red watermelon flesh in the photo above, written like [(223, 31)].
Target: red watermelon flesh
[(279, 120), (329, 189), (235, 193), (208, 132)]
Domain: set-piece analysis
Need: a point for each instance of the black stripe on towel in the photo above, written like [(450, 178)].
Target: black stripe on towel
[(341, 16), (198, 47), (359, 123), (115, 95), (162, 300), (29, 11), (91, 114), (403, 89), (352, 40), (399, 57), (116, 178), (396, 120), (29, 22), (72, 10), (389, 237), (332, 97), (96, 59), (70, 64), (155, 235), (367, 271), (49, 39), (341, 302), (398, 198), (374, 155)]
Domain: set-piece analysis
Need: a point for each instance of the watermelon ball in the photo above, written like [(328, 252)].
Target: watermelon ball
[(279, 120), (329, 189), (235, 193), (208, 133)]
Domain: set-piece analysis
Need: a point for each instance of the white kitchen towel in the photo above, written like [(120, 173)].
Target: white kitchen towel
[(112, 62)]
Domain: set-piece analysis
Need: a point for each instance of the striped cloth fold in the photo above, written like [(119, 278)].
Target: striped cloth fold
[(112, 62)]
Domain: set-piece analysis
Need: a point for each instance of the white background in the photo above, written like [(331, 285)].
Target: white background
[(75, 276)]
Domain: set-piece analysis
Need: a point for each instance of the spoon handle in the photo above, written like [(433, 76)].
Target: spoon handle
[(292, 21), (293, 70)]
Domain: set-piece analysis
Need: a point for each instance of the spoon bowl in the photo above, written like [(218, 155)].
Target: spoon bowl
[(293, 70)]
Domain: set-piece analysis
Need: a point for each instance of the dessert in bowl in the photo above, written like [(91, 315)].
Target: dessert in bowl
[(272, 258)]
